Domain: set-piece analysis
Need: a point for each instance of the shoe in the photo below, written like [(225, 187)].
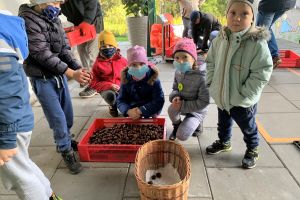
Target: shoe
[(198, 131), (88, 92), (113, 110), (250, 158), (55, 197), (218, 147), (276, 61), (173, 134), (73, 165), (74, 145)]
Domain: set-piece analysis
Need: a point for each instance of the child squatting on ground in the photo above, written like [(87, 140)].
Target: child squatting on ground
[(141, 94), (49, 62), (239, 65), (17, 171), (107, 72), (190, 95)]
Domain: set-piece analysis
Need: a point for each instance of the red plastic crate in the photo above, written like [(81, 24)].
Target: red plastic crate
[(112, 152), (75, 37), (290, 59)]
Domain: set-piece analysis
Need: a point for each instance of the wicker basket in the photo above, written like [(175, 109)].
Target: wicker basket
[(156, 154)]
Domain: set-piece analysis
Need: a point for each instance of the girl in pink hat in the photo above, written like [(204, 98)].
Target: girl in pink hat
[(189, 96), (141, 94)]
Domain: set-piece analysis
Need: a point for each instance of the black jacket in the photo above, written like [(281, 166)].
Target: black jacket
[(78, 11), (276, 5), (49, 51), (208, 23)]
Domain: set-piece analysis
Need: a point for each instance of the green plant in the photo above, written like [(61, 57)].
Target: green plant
[(136, 7)]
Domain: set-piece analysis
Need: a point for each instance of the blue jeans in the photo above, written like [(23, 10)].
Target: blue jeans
[(53, 94), (245, 119), (267, 19)]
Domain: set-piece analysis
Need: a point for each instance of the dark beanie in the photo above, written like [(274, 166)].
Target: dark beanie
[(194, 16)]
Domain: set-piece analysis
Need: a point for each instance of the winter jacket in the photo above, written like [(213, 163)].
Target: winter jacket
[(146, 94), (15, 110), (88, 11), (191, 88), (107, 72), (239, 65), (208, 23), (49, 52), (276, 5)]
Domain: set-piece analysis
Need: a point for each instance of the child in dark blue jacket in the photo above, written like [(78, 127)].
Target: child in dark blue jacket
[(141, 93)]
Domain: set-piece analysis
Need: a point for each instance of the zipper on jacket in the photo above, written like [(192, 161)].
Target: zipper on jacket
[(222, 86)]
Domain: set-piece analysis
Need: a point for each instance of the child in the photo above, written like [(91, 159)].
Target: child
[(17, 170), (190, 96), (239, 65), (107, 72), (48, 64), (141, 93)]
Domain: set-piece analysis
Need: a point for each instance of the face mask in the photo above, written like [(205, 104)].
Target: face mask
[(108, 52), (51, 12), (182, 67), (138, 73)]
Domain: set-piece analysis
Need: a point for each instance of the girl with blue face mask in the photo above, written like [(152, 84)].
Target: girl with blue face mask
[(141, 93), (189, 96)]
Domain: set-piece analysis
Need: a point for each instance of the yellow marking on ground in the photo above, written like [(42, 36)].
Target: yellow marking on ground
[(270, 139)]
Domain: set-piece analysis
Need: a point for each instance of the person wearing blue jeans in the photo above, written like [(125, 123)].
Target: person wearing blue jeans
[(49, 62), (269, 11)]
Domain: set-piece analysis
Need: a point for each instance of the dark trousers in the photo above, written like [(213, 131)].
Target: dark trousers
[(245, 119)]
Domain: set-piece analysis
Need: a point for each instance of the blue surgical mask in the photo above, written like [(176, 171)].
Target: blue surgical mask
[(108, 52), (138, 73), (182, 67), (51, 12)]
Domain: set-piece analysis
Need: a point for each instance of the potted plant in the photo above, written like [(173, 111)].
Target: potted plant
[(137, 21)]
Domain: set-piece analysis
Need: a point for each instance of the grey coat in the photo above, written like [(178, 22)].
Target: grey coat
[(194, 92)]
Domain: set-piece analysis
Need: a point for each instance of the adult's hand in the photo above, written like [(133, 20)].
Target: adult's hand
[(85, 28), (7, 154)]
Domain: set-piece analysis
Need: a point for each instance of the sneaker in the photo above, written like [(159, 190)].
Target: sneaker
[(276, 61), (113, 110), (173, 134), (218, 147), (55, 197), (198, 130), (250, 158), (88, 92), (73, 165)]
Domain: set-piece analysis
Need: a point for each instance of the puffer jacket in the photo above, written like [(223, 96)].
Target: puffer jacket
[(191, 88), (107, 72), (146, 94), (277, 5), (239, 65), (49, 51)]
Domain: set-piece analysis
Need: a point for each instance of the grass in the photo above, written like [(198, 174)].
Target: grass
[(121, 38)]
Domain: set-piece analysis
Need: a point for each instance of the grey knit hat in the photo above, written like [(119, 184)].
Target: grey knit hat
[(248, 2), (36, 2)]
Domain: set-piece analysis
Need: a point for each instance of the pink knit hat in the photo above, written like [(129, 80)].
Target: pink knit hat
[(136, 54), (186, 45)]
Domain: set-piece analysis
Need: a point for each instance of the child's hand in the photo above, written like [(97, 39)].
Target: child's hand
[(134, 113), (138, 113), (176, 103), (81, 76), (115, 87), (6, 155)]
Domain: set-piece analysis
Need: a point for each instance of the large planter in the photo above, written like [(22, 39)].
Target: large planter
[(137, 30)]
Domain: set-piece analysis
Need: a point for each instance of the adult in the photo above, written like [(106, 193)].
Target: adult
[(268, 12), (206, 25), (186, 8), (84, 13)]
